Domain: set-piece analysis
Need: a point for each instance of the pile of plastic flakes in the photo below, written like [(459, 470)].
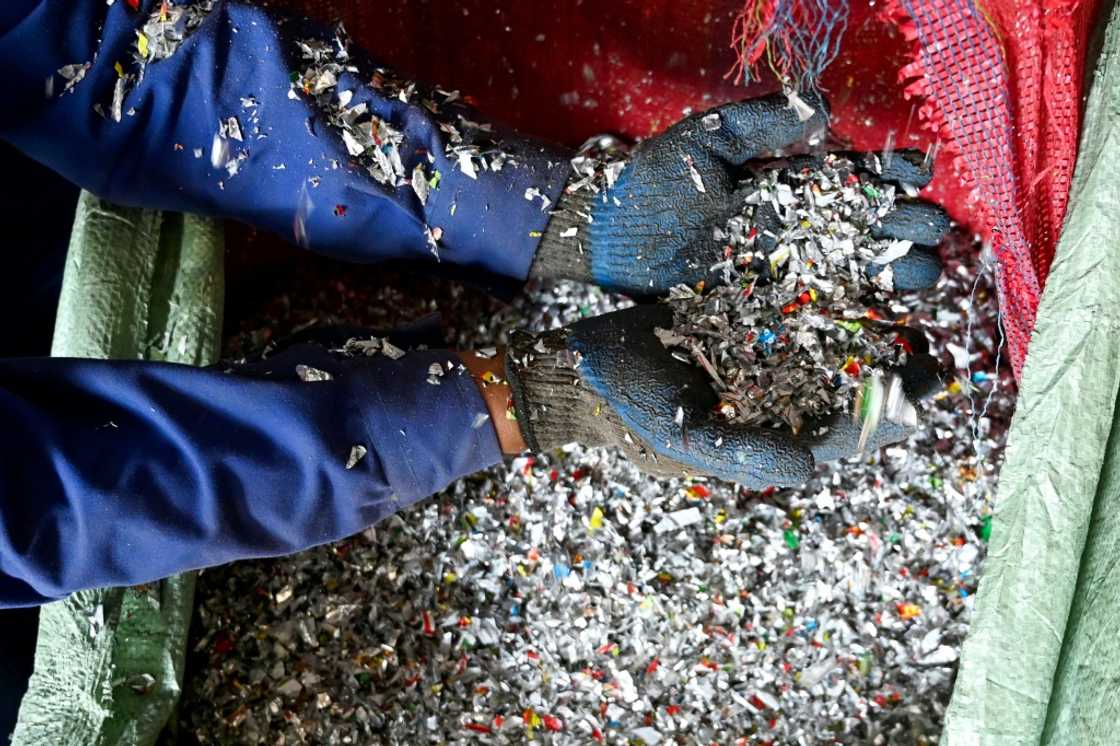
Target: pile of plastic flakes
[(567, 598), (792, 334)]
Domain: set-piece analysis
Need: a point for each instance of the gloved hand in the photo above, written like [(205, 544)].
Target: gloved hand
[(653, 228), (609, 380)]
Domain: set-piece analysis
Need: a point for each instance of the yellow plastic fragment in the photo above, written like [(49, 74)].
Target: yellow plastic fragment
[(909, 610)]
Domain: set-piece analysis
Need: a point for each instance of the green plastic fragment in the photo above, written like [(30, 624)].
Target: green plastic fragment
[(793, 541), (854, 327), (986, 528)]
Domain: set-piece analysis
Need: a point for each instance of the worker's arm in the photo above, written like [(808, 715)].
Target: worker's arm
[(219, 108), (115, 473)]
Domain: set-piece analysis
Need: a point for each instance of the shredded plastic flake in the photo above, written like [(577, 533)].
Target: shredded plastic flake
[(568, 598)]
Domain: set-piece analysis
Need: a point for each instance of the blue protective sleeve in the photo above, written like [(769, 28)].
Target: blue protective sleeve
[(295, 175), (116, 473)]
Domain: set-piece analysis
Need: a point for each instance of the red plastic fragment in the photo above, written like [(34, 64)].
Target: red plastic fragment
[(223, 644)]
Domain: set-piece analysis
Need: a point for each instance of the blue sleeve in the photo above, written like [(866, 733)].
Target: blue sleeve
[(221, 108), (116, 473)]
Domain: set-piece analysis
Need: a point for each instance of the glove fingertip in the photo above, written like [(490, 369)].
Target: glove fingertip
[(922, 222), (918, 270), (839, 438), (767, 125), (921, 377), (906, 166)]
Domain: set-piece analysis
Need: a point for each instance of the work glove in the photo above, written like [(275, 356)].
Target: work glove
[(650, 226), (610, 381)]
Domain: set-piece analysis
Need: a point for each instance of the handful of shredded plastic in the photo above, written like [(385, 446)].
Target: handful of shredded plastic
[(792, 335)]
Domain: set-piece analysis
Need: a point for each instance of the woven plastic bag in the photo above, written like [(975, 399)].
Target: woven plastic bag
[(109, 662)]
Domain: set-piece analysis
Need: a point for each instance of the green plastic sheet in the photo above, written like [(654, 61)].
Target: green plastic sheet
[(1042, 658), (139, 284)]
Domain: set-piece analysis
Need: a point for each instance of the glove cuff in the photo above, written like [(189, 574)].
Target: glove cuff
[(564, 252), (550, 400), (555, 408)]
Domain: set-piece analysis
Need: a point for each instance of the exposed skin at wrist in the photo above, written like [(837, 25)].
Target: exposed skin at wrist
[(490, 376)]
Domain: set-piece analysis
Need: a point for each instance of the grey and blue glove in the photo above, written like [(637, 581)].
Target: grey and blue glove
[(653, 227), (610, 381)]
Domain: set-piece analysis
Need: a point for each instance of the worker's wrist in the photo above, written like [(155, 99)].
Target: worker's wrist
[(547, 392), (488, 372)]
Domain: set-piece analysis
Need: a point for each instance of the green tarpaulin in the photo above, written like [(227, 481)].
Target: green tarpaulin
[(109, 663), (1042, 659)]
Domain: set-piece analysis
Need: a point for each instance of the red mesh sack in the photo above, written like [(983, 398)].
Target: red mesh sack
[(1003, 85)]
